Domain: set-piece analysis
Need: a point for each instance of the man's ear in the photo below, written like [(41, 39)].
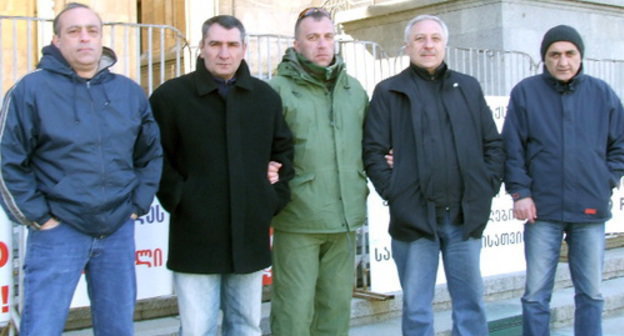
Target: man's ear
[(296, 45), (200, 46), (55, 40)]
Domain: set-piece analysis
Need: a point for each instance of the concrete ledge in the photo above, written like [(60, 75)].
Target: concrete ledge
[(145, 310), (501, 294), (505, 316), (501, 314)]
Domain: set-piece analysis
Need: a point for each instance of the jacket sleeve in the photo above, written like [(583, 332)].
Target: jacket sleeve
[(171, 182), (377, 142), (515, 133), (21, 199), (282, 151), (615, 140), (493, 152), (147, 159)]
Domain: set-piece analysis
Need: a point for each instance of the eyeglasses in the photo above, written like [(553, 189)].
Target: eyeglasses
[(312, 10)]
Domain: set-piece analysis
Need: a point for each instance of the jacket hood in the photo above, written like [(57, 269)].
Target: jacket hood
[(54, 61), (295, 66)]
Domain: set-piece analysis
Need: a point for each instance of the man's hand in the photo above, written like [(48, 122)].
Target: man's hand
[(389, 159), (50, 224), (525, 209), (273, 172), (134, 216)]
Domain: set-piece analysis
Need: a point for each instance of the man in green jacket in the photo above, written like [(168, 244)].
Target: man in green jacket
[(314, 237)]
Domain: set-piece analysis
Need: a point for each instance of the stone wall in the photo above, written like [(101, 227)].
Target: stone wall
[(516, 25), (267, 16)]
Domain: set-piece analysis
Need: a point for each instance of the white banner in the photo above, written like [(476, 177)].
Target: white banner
[(502, 243), (6, 268)]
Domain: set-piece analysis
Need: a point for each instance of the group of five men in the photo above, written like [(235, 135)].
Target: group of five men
[(229, 155)]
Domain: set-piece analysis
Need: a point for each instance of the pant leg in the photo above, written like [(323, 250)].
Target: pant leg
[(53, 264), (295, 270), (542, 245), (417, 265), (241, 300), (461, 260), (586, 245), (111, 282), (199, 297), (334, 287)]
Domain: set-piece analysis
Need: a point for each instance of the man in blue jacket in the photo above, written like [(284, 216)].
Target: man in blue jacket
[(80, 160), (564, 138)]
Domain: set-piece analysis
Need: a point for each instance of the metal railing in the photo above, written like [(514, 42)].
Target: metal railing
[(147, 53), (611, 71), (340, 5)]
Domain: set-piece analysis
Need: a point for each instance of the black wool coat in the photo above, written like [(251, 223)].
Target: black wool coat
[(394, 121), (214, 181)]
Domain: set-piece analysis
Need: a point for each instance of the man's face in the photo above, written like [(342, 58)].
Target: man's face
[(562, 60), (80, 40), (223, 51), (315, 40), (426, 45)]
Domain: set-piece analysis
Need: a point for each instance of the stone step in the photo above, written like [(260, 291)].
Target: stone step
[(497, 288), (504, 316), (373, 317)]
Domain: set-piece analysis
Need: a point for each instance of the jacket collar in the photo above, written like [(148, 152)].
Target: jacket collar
[(291, 66), (204, 82), (405, 80), (563, 87), (439, 73)]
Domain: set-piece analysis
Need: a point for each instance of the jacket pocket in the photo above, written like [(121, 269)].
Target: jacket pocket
[(271, 195), (302, 179), (388, 193), (301, 187), (183, 193), (408, 209)]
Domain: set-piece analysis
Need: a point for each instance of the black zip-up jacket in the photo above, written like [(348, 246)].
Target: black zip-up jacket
[(394, 122), (446, 182)]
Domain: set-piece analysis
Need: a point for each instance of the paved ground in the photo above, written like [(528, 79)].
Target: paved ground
[(612, 326), (504, 313)]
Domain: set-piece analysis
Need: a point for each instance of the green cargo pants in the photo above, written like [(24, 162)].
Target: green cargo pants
[(313, 278)]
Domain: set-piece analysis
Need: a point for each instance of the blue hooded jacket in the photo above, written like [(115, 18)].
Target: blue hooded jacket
[(85, 151)]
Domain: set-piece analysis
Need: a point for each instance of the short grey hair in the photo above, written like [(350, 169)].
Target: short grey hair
[(425, 17), (226, 21)]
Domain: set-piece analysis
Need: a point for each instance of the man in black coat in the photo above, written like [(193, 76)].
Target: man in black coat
[(221, 129), (445, 165)]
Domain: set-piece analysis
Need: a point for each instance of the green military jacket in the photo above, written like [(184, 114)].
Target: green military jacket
[(325, 113)]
